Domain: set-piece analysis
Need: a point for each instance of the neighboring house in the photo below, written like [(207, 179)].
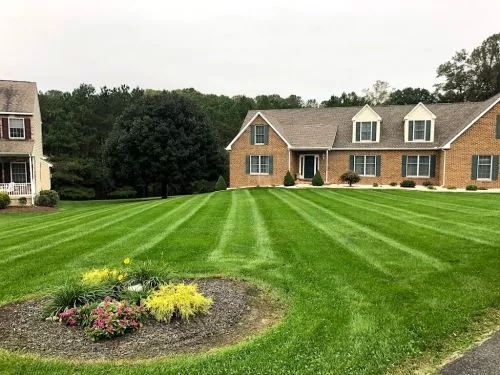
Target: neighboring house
[(447, 144), (23, 168)]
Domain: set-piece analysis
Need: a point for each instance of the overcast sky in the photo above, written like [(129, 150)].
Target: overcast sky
[(307, 48)]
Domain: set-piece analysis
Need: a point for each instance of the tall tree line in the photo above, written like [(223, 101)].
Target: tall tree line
[(79, 124)]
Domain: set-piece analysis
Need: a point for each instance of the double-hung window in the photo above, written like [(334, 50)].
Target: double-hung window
[(16, 128), (365, 165), (259, 134), (484, 167), (259, 164), (418, 166), (18, 173), (366, 130), (419, 130)]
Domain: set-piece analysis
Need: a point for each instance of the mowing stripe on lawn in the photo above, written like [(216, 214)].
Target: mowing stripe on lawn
[(43, 226), (229, 225), (169, 229), (264, 251), (434, 262), (82, 233), (354, 249), (349, 201), (414, 213), (137, 231), (28, 244), (442, 206)]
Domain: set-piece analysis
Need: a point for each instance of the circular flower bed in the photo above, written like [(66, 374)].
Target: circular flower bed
[(157, 317)]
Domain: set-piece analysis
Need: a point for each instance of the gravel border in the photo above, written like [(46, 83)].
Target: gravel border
[(238, 310)]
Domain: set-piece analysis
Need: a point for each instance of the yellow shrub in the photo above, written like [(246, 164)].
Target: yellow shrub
[(179, 300), (96, 276)]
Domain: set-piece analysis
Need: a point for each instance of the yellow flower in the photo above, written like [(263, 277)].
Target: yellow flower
[(120, 277), (126, 261)]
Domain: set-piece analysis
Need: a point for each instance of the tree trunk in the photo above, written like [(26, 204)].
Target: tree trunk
[(164, 190)]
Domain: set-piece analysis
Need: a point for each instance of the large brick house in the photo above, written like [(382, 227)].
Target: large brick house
[(447, 144), (23, 169)]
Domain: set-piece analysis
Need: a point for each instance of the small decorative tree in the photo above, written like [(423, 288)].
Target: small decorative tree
[(288, 180), (317, 179), (220, 184), (350, 177)]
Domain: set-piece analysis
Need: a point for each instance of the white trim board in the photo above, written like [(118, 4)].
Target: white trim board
[(228, 148), (17, 113), (448, 145), (433, 116)]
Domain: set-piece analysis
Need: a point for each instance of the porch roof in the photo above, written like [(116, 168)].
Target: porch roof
[(9, 147)]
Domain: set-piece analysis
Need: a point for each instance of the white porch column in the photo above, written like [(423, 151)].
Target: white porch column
[(289, 161), (326, 174), (32, 179)]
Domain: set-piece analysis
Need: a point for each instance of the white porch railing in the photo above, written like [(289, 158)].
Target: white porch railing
[(16, 189)]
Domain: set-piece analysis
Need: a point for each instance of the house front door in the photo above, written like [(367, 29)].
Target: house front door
[(309, 166)]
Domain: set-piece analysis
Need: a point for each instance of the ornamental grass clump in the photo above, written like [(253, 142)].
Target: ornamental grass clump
[(181, 301)]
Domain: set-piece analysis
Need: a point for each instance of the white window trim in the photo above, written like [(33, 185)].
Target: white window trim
[(377, 137), (25, 171), (24, 127), (491, 168), (407, 130), (418, 166), (301, 163), (255, 135), (260, 165), (364, 165)]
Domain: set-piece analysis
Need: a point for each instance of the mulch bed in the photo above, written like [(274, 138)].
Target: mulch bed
[(26, 209), (238, 310)]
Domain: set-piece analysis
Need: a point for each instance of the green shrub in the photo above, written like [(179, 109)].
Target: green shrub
[(23, 201), (4, 200), (393, 184), (288, 179), (408, 184), (74, 294), (350, 177), (47, 198), (76, 193), (317, 179), (220, 184), (431, 187), (427, 183), (148, 274), (471, 187), (176, 301), (123, 193), (375, 184), (202, 186)]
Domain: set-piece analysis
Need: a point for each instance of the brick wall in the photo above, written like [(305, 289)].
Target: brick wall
[(242, 147), (478, 139), (390, 166)]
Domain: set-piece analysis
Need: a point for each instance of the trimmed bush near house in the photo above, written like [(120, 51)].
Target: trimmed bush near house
[(431, 187), (220, 184), (4, 200), (47, 198), (350, 177), (123, 193), (427, 183), (317, 179), (176, 301), (408, 184), (393, 184), (471, 187), (375, 184), (288, 179), (76, 193), (23, 201)]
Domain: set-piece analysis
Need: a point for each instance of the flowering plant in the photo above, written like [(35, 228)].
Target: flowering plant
[(108, 319)]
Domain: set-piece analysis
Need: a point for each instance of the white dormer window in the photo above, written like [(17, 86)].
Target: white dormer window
[(419, 124), (259, 134), (366, 126), (16, 128)]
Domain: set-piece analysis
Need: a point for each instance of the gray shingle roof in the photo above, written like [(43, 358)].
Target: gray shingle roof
[(332, 127), (17, 96)]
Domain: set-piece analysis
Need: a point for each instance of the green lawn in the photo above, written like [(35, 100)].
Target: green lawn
[(371, 277)]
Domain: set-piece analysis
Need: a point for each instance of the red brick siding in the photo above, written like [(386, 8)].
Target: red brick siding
[(478, 139)]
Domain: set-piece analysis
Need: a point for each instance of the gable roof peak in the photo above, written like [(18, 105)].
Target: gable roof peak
[(367, 107), (420, 105)]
